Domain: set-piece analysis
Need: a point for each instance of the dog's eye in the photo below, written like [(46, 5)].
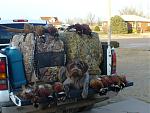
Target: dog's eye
[(71, 66), (79, 66)]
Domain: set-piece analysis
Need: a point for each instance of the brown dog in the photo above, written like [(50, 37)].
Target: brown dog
[(78, 76)]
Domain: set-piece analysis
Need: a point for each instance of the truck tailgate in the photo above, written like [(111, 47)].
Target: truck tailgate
[(72, 94)]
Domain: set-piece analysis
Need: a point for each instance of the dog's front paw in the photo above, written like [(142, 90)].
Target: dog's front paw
[(84, 94)]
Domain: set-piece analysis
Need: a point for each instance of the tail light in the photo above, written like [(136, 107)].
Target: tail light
[(3, 74), (114, 61)]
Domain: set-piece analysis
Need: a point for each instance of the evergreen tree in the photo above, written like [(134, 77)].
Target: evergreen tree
[(118, 25)]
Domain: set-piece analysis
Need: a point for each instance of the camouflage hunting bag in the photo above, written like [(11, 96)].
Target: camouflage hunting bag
[(26, 45), (84, 47), (42, 54), (49, 57), (43, 51)]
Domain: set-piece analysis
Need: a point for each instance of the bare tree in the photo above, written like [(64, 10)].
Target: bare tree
[(69, 21), (74, 20), (131, 11), (99, 22), (90, 18)]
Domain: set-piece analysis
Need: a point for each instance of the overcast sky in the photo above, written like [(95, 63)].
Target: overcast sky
[(63, 9)]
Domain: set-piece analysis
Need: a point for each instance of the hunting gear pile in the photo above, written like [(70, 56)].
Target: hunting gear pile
[(56, 63)]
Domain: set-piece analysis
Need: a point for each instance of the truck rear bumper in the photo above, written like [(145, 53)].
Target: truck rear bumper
[(4, 96)]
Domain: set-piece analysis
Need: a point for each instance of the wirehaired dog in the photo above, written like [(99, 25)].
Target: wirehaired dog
[(78, 76)]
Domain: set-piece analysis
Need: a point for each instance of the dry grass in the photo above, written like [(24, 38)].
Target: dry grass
[(120, 36)]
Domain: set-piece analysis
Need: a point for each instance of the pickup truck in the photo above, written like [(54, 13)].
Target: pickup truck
[(10, 102)]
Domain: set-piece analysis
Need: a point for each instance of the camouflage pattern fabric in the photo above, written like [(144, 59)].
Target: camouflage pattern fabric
[(26, 44), (39, 30), (49, 74), (49, 44), (85, 48), (17, 40)]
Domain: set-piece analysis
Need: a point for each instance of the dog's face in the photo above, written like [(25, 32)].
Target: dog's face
[(77, 68)]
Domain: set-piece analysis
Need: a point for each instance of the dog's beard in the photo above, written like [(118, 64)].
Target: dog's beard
[(75, 72)]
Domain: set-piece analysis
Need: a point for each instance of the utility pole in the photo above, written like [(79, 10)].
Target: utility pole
[(109, 20), (109, 55)]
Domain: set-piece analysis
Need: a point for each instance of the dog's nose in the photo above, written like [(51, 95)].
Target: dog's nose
[(75, 67)]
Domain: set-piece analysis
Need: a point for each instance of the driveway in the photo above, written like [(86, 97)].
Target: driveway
[(128, 106), (133, 60)]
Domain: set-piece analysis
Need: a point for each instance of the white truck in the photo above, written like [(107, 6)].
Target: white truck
[(10, 102)]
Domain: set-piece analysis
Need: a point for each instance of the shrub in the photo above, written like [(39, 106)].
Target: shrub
[(96, 28), (118, 25), (134, 30)]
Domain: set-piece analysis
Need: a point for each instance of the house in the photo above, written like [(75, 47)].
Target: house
[(134, 23), (52, 20), (138, 23)]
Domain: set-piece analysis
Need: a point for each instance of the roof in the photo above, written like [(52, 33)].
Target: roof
[(51, 20), (134, 18)]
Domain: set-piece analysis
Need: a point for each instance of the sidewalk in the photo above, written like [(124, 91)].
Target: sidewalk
[(127, 106)]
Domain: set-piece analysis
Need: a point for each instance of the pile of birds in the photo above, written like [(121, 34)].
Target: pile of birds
[(80, 29), (78, 79), (43, 93), (105, 83)]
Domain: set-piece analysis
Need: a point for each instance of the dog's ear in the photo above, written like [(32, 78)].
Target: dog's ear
[(85, 66), (69, 65)]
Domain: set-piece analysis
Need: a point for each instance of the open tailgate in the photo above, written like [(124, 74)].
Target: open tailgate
[(73, 94)]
